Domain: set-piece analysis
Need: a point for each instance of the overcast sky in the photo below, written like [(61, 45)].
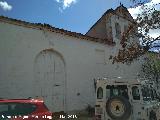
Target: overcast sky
[(74, 15)]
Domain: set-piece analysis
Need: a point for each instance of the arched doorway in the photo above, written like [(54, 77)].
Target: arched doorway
[(49, 72)]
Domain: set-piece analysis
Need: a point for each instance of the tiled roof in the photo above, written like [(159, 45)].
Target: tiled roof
[(52, 29)]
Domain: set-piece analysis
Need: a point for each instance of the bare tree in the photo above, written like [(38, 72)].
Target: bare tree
[(146, 21)]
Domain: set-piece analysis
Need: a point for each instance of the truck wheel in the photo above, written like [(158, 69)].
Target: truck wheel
[(118, 108), (152, 115)]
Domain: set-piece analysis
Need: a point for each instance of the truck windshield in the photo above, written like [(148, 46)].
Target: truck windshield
[(117, 90)]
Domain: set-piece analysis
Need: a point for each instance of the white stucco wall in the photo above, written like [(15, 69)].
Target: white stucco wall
[(84, 61)]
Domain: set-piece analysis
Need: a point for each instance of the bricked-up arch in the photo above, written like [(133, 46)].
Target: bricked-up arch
[(50, 79)]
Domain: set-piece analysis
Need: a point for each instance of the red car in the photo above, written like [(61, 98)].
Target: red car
[(24, 109)]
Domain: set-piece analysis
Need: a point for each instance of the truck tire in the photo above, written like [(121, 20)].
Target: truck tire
[(118, 108), (152, 115)]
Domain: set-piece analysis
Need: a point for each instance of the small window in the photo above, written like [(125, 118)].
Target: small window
[(118, 30), (135, 93), (115, 92), (99, 93)]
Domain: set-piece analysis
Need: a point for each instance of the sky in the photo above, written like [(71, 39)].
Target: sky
[(73, 15), (137, 10), (153, 33)]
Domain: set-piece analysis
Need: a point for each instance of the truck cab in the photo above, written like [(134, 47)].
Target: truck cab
[(119, 99)]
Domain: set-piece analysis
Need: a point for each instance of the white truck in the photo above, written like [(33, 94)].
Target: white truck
[(126, 100)]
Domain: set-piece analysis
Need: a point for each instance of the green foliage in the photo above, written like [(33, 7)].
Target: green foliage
[(151, 67), (156, 58)]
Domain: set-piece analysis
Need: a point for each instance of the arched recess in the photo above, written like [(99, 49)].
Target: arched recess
[(50, 79)]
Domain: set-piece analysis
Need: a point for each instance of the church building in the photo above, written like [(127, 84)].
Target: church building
[(39, 60)]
